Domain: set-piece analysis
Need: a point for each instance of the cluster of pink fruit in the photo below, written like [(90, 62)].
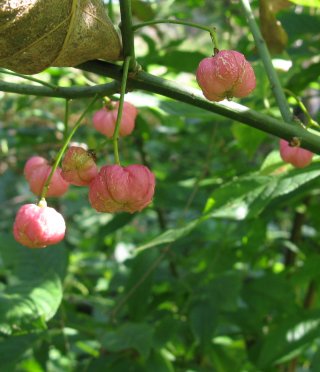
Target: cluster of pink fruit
[(112, 189)]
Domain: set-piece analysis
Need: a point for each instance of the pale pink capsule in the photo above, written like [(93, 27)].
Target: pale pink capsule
[(104, 120), (296, 156), (37, 227), (78, 166), (32, 164), (37, 171), (225, 75), (122, 189)]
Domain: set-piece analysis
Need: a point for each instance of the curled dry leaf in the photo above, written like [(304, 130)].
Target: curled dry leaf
[(274, 34), (36, 34)]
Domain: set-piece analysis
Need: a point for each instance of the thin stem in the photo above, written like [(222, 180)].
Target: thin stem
[(267, 61), (60, 92), (127, 33), (63, 149), (211, 30), (310, 121), (110, 10), (115, 136), (66, 118), (44, 83)]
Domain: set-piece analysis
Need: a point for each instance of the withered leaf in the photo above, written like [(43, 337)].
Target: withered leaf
[(271, 29), (36, 34)]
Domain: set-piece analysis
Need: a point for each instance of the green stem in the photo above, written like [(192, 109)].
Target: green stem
[(66, 118), (127, 33), (211, 30), (63, 149), (110, 10), (49, 85), (120, 108), (267, 61), (310, 121), (60, 92)]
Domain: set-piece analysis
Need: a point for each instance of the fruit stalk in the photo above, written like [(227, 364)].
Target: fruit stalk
[(119, 116), (211, 30), (63, 149)]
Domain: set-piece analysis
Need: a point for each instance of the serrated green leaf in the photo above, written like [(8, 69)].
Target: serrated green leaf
[(170, 236), (137, 336), (249, 195)]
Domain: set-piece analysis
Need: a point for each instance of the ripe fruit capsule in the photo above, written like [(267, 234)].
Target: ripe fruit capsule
[(122, 189), (296, 156), (105, 119), (225, 75), (78, 166), (38, 226), (37, 170)]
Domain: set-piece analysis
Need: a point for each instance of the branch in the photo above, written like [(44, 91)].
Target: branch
[(127, 32), (72, 92), (141, 80)]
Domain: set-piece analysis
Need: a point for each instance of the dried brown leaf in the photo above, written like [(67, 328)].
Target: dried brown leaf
[(271, 29), (36, 34)]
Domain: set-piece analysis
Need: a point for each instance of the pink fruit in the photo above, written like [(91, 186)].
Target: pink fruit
[(37, 171), (225, 75), (38, 226), (296, 156), (122, 189), (104, 120), (33, 163), (78, 166)]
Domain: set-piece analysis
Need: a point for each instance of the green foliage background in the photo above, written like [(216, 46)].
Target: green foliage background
[(221, 272)]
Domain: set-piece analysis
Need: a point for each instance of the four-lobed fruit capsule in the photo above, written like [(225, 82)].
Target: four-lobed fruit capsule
[(37, 226), (105, 119), (296, 156), (36, 172), (225, 75), (122, 189), (78, 166)]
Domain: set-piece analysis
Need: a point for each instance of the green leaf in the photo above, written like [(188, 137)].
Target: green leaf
[(142, 10), (303, 78), (141, 284), (36, 292), (137, 336), (158, 363), (12, 349), (203, 322), (249, 195), (312, 3), (249, 139), (170, 235), (289, 339)]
